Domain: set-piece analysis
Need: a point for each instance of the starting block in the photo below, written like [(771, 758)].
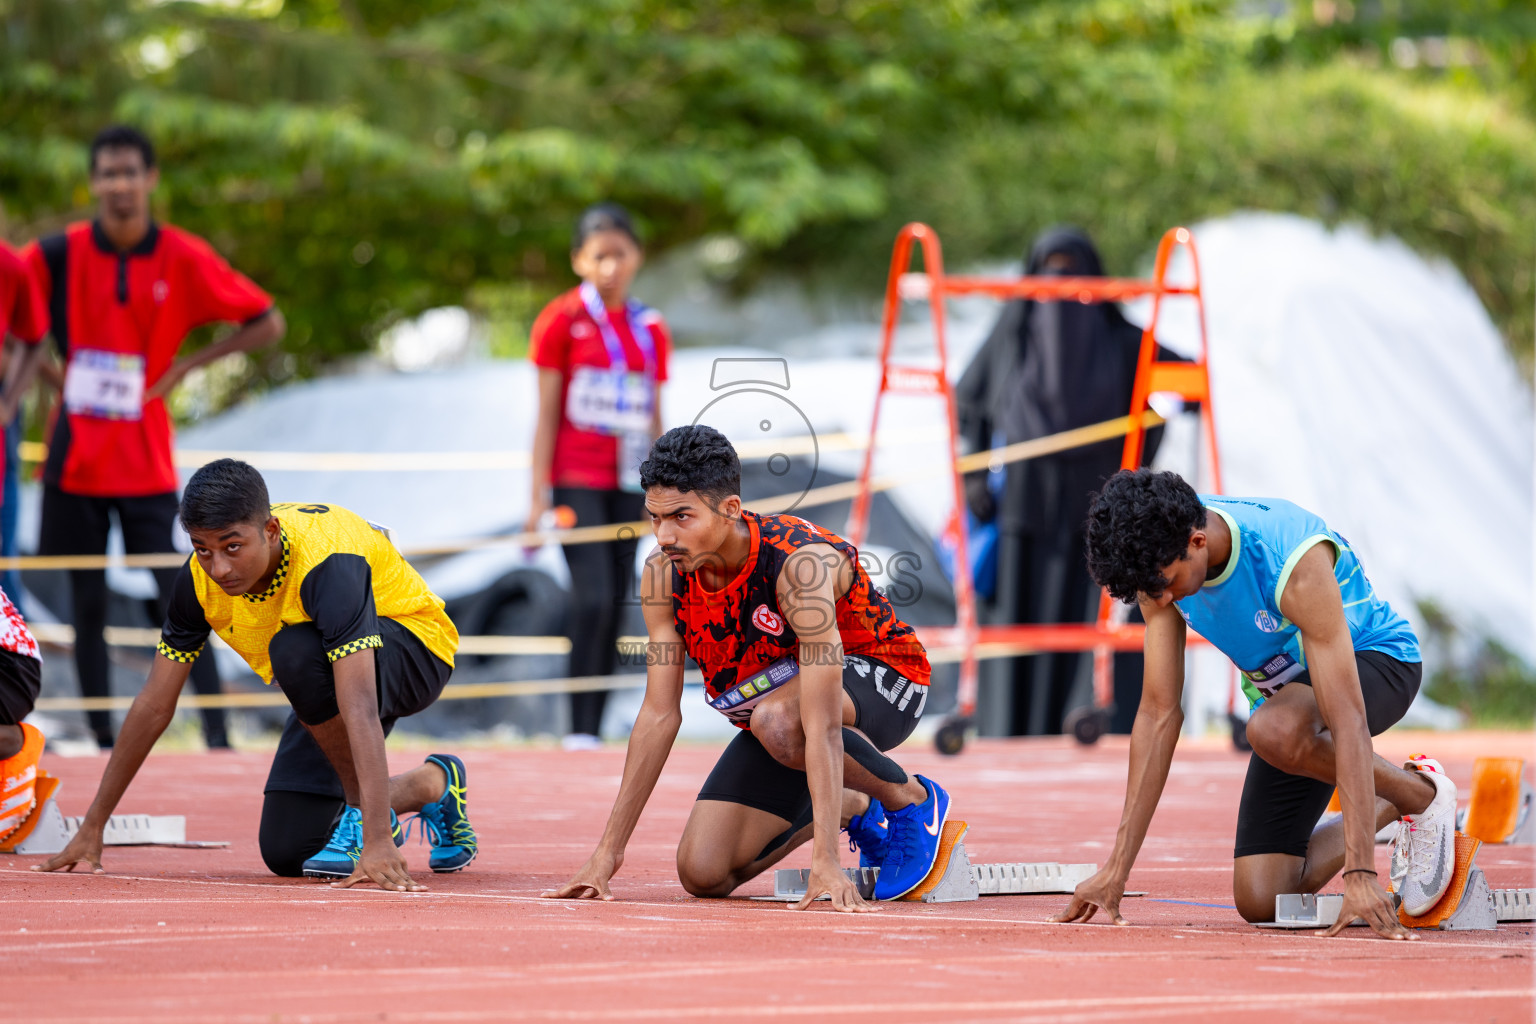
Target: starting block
[(1468, 905), (954, 879), (47, 830), (1500, 807)]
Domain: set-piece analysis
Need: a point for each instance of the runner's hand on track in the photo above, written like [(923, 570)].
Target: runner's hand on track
[(84, 847), (1364, 897), (830, 880), (1101, 892), (591, 882), (385, 867)]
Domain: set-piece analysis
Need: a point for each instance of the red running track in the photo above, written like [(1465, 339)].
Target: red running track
[(189, 936)]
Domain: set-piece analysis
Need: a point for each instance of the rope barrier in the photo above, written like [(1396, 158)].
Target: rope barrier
[(1023, 451)]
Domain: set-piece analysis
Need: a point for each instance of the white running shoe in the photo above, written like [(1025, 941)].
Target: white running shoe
[(1424, 853)]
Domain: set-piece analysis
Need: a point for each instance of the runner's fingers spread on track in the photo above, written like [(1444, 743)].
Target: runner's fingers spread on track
[(845, 895), (579, 889), (386, 869), (82, 849), (1101, 892), (1365, 898), (591, 882)]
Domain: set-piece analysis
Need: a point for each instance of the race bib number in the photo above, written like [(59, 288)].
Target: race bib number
[(609, 403), (105, 385), (737, 702), (1273, 674)]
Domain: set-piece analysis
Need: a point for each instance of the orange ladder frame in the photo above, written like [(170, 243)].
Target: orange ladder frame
[(1190, 381)]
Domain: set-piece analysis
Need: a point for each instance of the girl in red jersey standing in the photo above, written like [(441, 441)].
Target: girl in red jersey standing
[(602, 357)]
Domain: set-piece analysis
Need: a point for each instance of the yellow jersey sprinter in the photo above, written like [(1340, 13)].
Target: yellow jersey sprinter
[(317, 600)]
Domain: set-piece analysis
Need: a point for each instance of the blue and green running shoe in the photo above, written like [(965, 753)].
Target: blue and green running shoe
[(339, 857), (447, 821), (868, 833), (913, 846)]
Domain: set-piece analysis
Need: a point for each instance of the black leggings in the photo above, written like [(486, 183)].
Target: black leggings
[(304, 795), (602, 578), (75, 524), (295, 827)]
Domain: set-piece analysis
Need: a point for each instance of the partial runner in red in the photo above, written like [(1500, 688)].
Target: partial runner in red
[(21, 745), (802, 653), (123, 293), (23, 316)]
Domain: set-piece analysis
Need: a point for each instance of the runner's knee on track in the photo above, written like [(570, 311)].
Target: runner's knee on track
[(295, 827)]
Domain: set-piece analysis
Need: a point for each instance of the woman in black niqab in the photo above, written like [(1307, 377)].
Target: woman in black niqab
[(1045, 368)]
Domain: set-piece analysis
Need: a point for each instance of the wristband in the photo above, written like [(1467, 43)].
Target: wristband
[(1355, 871)]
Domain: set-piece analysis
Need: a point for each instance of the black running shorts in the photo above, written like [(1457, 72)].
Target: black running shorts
[(409, 676), (20, 679), (1278, 811), (887, 708)]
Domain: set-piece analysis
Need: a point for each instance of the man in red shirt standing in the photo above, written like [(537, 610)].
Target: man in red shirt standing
[(123, 293)]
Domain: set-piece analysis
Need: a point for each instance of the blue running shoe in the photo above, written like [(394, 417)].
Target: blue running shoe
[(868, 833), (447, 821), (339, 857), (913, 845)]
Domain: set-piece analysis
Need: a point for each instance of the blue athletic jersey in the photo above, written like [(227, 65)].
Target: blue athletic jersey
[(1239, 611)]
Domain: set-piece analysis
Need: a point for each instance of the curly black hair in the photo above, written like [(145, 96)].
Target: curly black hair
[(1139, 522), (224, 492), (693, 458)]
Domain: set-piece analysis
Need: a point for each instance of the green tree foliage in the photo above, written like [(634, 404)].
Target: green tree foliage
[(368, 159)]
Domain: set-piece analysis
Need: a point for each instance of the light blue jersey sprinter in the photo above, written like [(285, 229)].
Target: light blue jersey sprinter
[(1239, 611)]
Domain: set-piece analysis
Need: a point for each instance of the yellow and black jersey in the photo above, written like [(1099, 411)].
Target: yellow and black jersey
[(338, 571)]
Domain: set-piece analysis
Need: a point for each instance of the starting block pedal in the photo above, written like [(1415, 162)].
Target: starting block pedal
[(1468, 905), (954, 879), (47, 830), (1499, 810)]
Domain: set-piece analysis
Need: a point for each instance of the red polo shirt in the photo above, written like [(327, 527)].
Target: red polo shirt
[(23, 312), (564, 337), (119, 319)]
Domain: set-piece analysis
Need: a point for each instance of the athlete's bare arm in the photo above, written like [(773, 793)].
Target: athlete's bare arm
[(651, 740), (265, 330), (1313, 602), (357, 699), (808, 588), (151, 712), (1153, 738), (546, 426)]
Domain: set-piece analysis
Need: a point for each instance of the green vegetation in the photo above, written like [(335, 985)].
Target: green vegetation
[(369, 159), (1480, 677)]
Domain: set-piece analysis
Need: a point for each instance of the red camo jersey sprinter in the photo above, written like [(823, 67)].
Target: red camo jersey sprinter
[(120, 319), (565, 336), (739, 630)]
